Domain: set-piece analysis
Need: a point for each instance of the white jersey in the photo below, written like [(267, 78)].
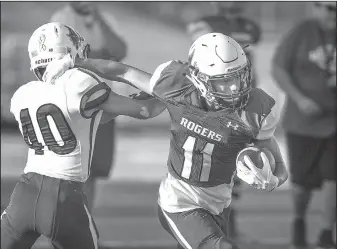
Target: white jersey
[(59, 123)]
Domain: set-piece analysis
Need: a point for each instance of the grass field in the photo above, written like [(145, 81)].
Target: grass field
[(126, 203)]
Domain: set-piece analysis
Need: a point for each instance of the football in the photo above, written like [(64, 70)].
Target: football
[(254, 154)]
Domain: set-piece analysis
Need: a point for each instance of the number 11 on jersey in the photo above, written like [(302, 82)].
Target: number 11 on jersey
[(207, 151)]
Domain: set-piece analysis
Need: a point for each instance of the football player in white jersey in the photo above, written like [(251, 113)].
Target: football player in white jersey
[(215, 113), (58, 122)]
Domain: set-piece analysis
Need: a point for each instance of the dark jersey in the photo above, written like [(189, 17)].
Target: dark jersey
[(204, 144)]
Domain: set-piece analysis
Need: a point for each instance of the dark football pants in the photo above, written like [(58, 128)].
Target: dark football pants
[(104, 150), (41, 205), (197, 228), (102, 159)]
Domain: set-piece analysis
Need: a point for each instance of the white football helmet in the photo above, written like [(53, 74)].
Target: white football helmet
[(220, 70), (53, 41)]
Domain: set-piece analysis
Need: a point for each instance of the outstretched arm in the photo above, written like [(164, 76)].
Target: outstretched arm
[(116, 105), (110, 102), (111, 70), (117, 71), (162, 83)]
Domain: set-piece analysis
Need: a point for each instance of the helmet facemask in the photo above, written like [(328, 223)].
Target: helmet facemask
[(229, 90)]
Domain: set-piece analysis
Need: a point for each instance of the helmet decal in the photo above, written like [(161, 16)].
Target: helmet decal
[(42, 40), (223, 60)]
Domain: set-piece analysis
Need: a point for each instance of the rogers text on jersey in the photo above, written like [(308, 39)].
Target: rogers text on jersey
[(200, 130)]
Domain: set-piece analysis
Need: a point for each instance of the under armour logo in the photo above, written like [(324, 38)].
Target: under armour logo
[(235, 127)]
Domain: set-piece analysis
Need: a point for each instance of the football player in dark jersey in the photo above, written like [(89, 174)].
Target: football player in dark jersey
[(228, 19), (215, 113)]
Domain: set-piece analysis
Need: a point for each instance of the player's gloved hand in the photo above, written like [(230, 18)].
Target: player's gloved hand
[(258, 178), (247, 175), (57, 67), (270, 181)]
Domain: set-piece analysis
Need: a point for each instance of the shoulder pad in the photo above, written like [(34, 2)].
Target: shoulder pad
[(20, 92), (259, 102), (81, 80), (169, 80), (25, 87)]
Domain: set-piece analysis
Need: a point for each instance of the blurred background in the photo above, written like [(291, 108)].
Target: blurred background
[(155, 32)]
